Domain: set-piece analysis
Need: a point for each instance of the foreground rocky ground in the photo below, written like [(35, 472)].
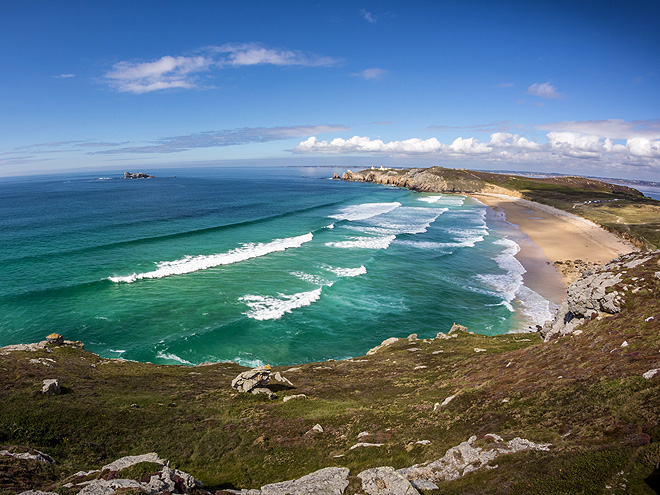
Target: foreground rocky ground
[(458, 413)]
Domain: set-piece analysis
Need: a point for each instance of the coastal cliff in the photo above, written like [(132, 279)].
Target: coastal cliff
[(575, 412), (619, 209), (434, 179)]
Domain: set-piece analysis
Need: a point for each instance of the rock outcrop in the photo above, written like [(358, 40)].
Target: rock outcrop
[(385, 481), (51, 386), (327, 481), (251, 379), (596, 293), (465, 458)]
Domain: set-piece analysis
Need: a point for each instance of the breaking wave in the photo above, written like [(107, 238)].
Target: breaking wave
[(273, 308), (364, 211), (191, 264), (363, 243)]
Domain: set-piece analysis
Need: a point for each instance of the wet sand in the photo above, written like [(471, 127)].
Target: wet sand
[(555, 236)]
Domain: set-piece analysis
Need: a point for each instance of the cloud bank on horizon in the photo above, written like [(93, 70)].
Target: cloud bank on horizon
[(609, 142)]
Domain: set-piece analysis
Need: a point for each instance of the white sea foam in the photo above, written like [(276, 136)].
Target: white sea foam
[(426, 245), (346, 272), (172, 357), (250, 363), (430, 199), (506, 284), (510, 285), (403, 220), (191, 264), (312, 279), (331, 226), (364, 211), (273, 308), (364, 243), (118, 351), (444, 200)]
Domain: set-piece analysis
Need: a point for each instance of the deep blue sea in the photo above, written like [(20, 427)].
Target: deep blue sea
[(269, 265)]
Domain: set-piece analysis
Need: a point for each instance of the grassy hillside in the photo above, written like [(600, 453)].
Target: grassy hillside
[(585, 394)]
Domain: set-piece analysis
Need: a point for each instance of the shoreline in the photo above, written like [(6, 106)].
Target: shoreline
[(555, 236)]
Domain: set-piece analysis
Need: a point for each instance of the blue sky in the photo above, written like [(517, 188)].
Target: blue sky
[(558, 86)]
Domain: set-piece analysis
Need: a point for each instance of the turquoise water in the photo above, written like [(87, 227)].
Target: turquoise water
[(275, 266)]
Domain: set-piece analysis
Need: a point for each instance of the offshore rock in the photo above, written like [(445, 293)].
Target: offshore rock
[(327, 481), (251, 379), (139, 175), (385, 481)]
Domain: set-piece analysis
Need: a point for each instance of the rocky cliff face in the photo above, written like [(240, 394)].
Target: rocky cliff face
[(424, 180), (603, 291)]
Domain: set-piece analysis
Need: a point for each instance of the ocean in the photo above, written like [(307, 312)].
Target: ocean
[(273, 265)]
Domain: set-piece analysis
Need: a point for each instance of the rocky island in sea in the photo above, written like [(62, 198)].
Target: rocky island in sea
[(138, 175), (574, 408)]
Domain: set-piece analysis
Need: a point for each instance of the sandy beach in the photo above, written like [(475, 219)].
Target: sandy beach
[(555, 236)]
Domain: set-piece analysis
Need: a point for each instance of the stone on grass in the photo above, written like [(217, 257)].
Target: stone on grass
[(51, 386), (277, 376), (55, 338), (651, 373), (131, 460), (37, 492), (384, 343), (327, 481), (291, 397), (365, 444), (29, 456), (251, 379), (265, 391), (385, 481)]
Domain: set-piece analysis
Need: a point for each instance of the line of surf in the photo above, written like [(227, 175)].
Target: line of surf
[(164, 237), (191, 264)]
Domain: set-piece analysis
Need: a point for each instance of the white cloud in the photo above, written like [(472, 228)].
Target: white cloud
[(544, 90), (244, 54), (358, 144), (165, 73), (368, 16), (566, 147), (373, 73), (609, 128), (508, 140), (643, 147), (64, 76), (469, 146), (181, 72)]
